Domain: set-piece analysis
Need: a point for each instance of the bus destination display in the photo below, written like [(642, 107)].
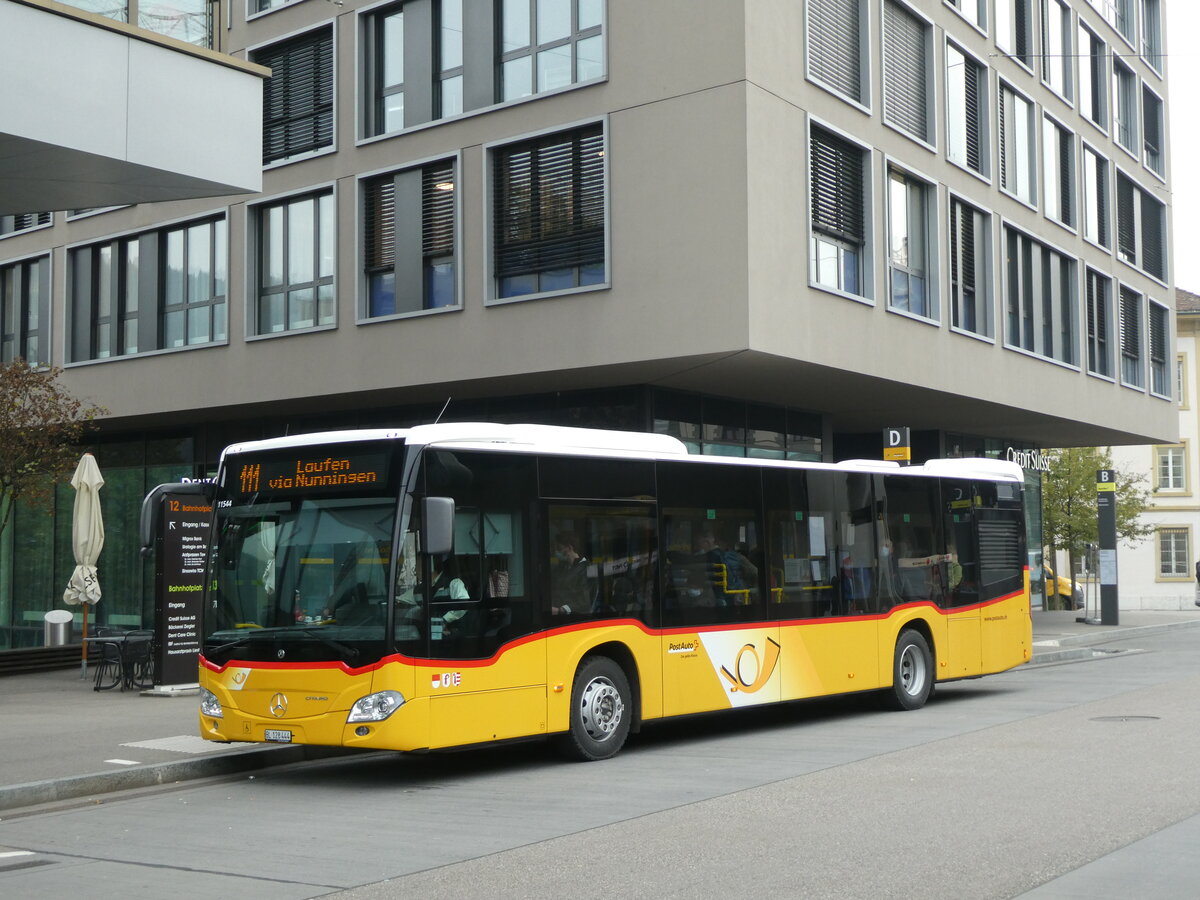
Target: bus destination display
[(332, 472)]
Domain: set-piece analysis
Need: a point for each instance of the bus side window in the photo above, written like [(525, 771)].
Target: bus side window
[(912, 537), (491, 603), (602, 561), (714, 565), (961, 567)]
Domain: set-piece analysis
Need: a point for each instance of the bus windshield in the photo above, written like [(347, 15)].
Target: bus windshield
[(297, 577)]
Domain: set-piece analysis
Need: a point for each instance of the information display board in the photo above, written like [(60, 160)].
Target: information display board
[(181, 557)]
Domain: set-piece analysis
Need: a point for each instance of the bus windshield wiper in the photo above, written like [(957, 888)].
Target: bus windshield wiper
[(229, 645), (348, 652)]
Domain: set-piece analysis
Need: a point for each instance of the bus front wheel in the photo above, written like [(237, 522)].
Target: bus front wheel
[(912, 672), (601, 708)]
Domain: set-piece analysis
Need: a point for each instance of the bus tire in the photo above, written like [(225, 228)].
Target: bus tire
[(912, 672), (601, 710)]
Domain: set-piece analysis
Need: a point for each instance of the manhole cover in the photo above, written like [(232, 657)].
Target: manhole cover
[(1126, 718)]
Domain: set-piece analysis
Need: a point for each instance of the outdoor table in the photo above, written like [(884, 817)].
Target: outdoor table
[(123, 643)]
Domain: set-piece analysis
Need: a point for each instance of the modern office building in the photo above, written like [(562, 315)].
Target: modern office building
[(770, 227)]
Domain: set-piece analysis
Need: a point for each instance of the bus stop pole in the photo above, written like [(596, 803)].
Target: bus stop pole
[(1106, 520)]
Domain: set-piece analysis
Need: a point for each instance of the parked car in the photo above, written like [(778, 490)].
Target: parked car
[(1061, 586)]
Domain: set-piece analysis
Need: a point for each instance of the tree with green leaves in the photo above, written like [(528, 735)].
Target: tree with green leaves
[(1069, 501), (41, 426)]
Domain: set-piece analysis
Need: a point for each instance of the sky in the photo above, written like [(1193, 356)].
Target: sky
[(1183, 119)]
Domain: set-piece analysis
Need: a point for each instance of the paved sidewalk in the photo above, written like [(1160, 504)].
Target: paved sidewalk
[(61, 740)]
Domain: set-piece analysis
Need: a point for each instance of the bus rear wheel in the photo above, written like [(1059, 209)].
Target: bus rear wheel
[(912, 672), (601, 708)]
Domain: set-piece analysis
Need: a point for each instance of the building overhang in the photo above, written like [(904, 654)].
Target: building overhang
[(115, 115)]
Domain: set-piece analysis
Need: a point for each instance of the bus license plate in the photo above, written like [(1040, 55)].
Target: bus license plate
[(279, 737)]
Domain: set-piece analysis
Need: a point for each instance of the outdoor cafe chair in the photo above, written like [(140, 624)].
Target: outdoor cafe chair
[(139, 659), (109, 668)]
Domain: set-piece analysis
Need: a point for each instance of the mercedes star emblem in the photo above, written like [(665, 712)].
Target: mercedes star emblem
[(278, 706)]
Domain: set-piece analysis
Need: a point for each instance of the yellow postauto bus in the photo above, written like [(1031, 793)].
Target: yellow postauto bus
[(457, 584)]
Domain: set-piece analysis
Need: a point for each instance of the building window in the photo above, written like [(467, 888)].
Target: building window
[(264, 5), (25, 311), (384, 36), (1141, 223), (970, 298), (1173, 553), (23, 222), (974, 11), (298, 97), (1093, 77), (837, 172), (295, 264), (1099, 317), (1130, 327), (1152, 34), (1014, 29), (157, 290), (1160, 343), (450, 57), (966, 111), (835, 46), (186, 20), (1181, 380), (1125, 106), (1017, 138), (1170, 468), (1095, 198), (1041, 299), (1058, 168), (193, 310), (909, 203), (1057, 53), (409, 240), (1152, 132), (906, 82), (548, 44), (549, 197)]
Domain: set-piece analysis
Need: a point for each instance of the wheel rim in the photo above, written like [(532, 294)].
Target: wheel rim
[(912, 671), (601, 709)]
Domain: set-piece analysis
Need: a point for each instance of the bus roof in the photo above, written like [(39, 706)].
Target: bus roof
[(601, 442)]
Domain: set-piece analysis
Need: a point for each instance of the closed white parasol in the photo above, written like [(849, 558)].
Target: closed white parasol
[(87, 539)]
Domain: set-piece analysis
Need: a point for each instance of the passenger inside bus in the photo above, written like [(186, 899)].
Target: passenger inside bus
[(572, 592)]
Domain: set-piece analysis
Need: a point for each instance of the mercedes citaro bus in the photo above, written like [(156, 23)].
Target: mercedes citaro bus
[(455, 584)]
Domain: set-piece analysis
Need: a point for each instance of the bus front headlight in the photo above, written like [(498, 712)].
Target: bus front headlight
[(376, 707), (209, 705)]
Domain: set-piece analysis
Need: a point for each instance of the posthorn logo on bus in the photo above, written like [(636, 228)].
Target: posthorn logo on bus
[(749, 672)]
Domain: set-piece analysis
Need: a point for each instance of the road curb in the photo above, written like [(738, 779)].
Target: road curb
[(73, 787), (1067, 647)]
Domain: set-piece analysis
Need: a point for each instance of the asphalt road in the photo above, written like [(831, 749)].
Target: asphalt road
[(1074, 780)]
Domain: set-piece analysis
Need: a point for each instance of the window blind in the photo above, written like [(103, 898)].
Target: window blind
[(834, 45), (905, 88), (1126, 226), (298, 97), (1158, 334), (549, 203), (437, 210), (437, 216), (973, 115), (837, 187), (1153, 256), (1130, 325), (379, 224)]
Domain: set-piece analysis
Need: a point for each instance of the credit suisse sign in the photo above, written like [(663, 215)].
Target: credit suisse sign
[(1034, 460)]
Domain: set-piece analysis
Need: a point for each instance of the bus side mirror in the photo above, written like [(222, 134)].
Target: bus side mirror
[(437, 525)]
